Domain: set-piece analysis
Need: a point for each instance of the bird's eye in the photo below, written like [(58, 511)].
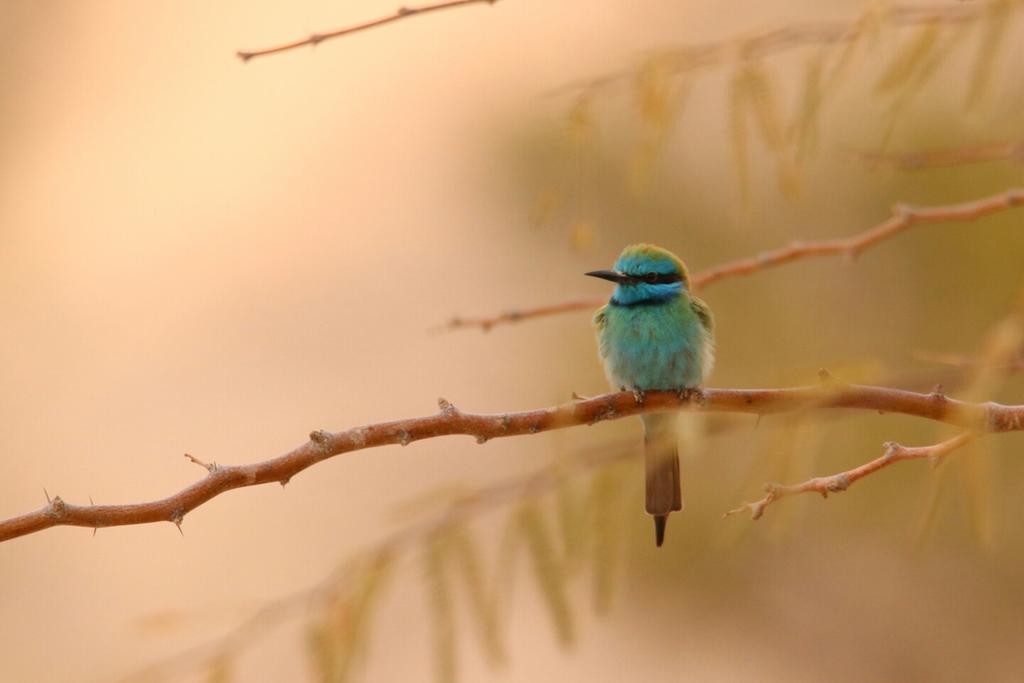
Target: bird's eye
[(651, 277)]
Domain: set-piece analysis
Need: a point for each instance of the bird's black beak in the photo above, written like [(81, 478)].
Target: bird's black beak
[(612, 275)]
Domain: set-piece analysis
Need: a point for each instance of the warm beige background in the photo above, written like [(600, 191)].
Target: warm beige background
[(199, 255)]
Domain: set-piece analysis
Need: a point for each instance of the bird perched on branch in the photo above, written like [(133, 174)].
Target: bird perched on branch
[(654, 335)]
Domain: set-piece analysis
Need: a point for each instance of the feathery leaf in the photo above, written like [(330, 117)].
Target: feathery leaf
[(739, 102), (465, 559), (997, 19), (572, 517), (339, 640), (606, 488), (803, 131), (441, 611), (547, 570), (911, 58)]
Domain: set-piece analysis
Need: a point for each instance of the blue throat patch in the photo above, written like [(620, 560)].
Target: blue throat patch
[(643, 294)]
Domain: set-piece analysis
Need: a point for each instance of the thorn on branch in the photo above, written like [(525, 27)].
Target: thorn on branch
[(903, 212), (756, 509), (57, 507), (447, 408), (320, 437), (837, 484), (211, 467), (47, 494), (828, 379), (891, 450), (176, 519)]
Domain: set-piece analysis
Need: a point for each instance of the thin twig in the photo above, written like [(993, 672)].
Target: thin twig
[(450, 421), (948, 156), (317, 38), (837, 483), (903, 217)]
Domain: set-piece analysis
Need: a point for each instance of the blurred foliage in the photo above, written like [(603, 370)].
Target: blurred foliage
[(884, 57)]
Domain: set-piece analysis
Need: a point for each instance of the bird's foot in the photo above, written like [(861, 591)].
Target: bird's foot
[(639, 396)]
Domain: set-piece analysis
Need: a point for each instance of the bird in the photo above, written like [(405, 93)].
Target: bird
[(654, 334)]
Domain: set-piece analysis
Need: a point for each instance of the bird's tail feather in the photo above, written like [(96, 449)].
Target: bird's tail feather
[(661, 460)]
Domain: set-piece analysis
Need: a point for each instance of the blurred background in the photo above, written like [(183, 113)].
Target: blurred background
[(200, 255)]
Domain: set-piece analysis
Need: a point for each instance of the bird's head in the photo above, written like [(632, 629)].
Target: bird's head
[(645, 273)]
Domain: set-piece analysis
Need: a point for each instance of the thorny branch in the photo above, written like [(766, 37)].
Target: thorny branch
[(317, 38), (837, 483), (903, 217), (460, 511), (982, 417)]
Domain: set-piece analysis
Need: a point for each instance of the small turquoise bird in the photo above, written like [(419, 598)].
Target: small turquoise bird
[(654, 335)]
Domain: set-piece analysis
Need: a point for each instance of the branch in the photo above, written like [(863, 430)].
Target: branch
[(903, 217), (960, 361), (458, 512), (514, 316), (462, 509), (948, 156), (992, 417), (766, 43), (837, 483), (317, 38)]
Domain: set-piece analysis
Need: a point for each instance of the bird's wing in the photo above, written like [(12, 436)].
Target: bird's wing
[(600, 318), (703, 314)]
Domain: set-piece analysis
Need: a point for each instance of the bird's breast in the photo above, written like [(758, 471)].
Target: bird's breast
[(654, 347)]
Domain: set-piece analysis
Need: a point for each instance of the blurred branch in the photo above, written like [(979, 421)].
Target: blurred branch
[(951, 156), (960, 361), (903, 217), (772, 41), (317, 38), (450, 421), (837, 483), (514, 316)]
